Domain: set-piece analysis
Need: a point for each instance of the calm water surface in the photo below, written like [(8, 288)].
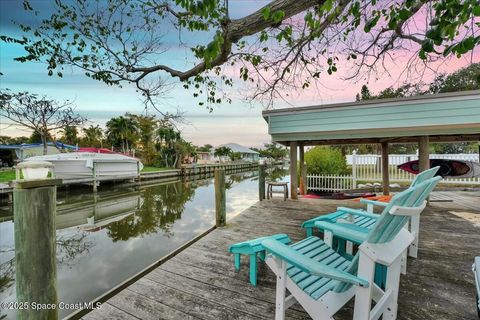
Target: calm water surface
[(106, 238)]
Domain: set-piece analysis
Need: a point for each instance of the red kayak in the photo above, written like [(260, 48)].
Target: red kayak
[(448, 168)]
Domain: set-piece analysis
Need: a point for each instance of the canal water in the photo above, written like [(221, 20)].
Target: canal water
[(106, 238)]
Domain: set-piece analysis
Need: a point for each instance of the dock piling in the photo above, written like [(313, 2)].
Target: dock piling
[(220, 199), (261, 182), (35, 247)]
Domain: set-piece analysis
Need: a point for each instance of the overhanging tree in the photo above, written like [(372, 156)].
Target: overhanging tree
[(284, 45), (38, 114)]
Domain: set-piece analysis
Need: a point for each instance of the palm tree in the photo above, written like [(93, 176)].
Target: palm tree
[(167, 138), (93, 136), (70, 135), (145, 136), (120, 130), (222, 152)]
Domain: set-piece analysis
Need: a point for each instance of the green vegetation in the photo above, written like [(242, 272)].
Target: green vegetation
[(272, 150), (326, 160), (223, 152), (7, 175)]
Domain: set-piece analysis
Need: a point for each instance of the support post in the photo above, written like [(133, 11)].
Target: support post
[(94, 173), (261, 182), (139, 176), (293, 170), (354, 169), (423, 154), (35, 247), (303, 170), (385, 164), (220, 199)]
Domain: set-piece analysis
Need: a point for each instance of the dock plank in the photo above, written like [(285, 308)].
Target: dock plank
[(201, 283)]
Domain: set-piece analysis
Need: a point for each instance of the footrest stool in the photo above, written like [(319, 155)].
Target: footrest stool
[(251, 248)]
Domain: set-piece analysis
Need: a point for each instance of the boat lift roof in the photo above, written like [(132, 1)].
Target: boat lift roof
[(36, 145), (445, 117)]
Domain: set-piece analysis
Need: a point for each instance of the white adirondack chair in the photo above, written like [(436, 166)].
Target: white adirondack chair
[(353, 225), (323, 281)]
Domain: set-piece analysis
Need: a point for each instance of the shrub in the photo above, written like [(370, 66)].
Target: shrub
[(326, 160)]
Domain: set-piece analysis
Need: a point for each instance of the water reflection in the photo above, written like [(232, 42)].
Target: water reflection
[(277, 174), (161, 206), (106, 238)]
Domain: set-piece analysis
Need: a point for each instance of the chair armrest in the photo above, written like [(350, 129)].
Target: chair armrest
[(310, 266), (408, 211), (374, 202), (327, 217), (347, 231), (359, 212)]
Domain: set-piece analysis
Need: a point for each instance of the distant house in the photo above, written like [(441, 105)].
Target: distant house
[(205, 157), (246, 154)]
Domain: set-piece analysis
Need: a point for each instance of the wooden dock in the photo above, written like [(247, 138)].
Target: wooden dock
[(200, 282)]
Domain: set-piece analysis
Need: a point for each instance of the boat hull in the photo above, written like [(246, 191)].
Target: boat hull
[(83, 165)]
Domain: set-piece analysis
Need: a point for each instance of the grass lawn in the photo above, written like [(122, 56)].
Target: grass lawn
[(7, 175), (150, 169)]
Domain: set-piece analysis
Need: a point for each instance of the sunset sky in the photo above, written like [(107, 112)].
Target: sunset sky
[(239, 121)]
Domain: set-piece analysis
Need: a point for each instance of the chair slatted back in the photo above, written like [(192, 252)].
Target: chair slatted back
[(388, 225), (425, 175)]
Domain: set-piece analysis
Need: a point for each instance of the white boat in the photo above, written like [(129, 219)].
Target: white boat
[(84, 164)]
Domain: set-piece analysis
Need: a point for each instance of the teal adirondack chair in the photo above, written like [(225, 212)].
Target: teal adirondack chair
[(323, 281), (359, 221)]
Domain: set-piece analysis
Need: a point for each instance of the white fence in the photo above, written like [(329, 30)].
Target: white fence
[(329, 183), (368, 168)]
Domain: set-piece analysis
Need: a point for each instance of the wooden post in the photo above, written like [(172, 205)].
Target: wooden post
[(293, 170), (35, 247), (220, 199), (303, 170), (423, 154), (139, 176), (354, 169), (385, 164), (261, 182), (94, 173)]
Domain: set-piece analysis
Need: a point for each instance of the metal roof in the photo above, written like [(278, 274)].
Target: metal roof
[(36, 145), (235, 147)]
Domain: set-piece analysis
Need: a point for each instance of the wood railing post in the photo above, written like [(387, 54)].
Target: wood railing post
[(35, 247), (261, 182), (220, 199)]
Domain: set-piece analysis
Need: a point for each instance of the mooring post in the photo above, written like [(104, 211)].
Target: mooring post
[(220, 199), (94, 174), (261, 182), (35, 247), (139, 176)]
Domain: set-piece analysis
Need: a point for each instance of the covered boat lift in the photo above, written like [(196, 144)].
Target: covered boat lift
[(446, 117)]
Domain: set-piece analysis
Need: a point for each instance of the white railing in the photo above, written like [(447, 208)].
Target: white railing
[(368, 168), (329, 182)]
